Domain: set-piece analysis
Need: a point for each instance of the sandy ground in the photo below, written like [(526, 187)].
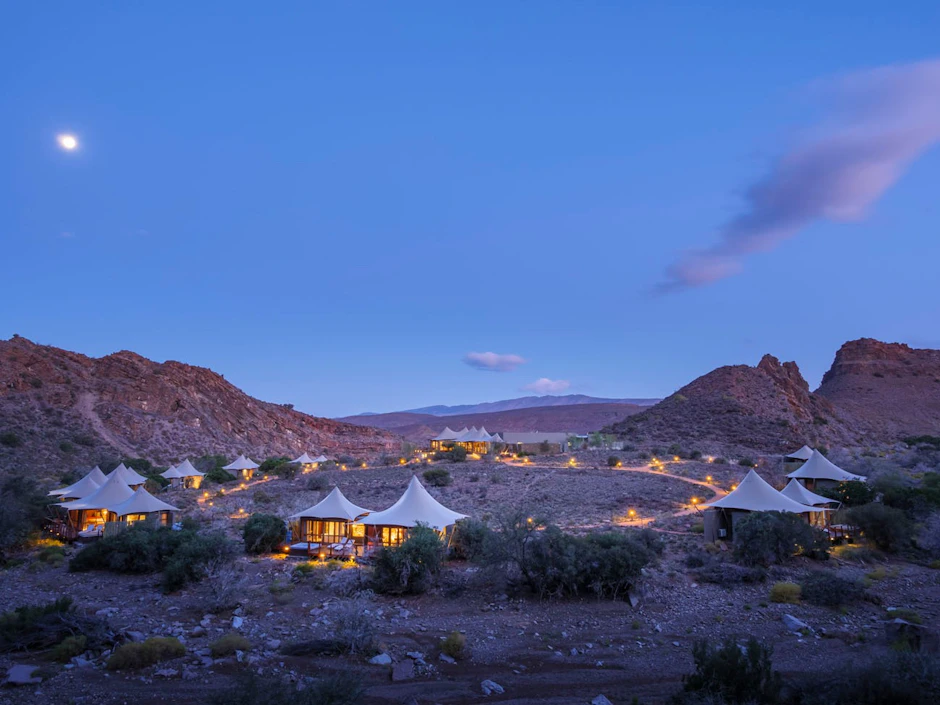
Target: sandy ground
[(540, 652)]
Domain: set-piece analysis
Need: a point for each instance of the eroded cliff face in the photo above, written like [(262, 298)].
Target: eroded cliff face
[(888, 390), (67, 409)]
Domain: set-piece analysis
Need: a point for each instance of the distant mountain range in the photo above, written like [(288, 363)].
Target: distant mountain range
[(518, 403)]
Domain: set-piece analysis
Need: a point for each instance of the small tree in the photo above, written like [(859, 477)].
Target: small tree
[(888, 528), (852, 493), (23, 510), (438, 477), (410, 568), (264, 533), (765, 538), (459, 454), (734, 674)]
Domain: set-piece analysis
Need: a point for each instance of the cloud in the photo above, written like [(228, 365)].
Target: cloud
[(493, 362), (876, 123), (544, 385)]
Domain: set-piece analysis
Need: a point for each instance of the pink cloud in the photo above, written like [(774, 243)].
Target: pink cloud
[(878, 123), (493, 362)]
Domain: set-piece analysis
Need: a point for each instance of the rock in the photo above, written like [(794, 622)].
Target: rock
[(796, 625), (381, 660), (239, 655), (446, 659), (206, 661), (601, 700), (634, 598), (272, 644), (237, 622), (403, 670), (167, 673), (573, 652), (416, 655), (135, 636), (81, 662), (106, 612), (198, 631), (491, 687), (22, 675)]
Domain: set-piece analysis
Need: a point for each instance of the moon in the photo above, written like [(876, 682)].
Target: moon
[(67, 142)]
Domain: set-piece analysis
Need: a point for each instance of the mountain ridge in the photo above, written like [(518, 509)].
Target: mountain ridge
[(527, 402)]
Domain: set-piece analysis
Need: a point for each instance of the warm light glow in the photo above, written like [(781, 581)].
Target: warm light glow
[(675, 458), (632, 512), (286, 549), (734, 487), (322, 556), (402, 461), (695, 500), (67, 142), (342, 467), (708, 478), (619, 463), (710, 459), (529, 520), (365, 465)]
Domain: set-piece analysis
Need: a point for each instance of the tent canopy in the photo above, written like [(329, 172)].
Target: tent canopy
[(127, 474), (795, 491), (803, 453), (241, 463), (110, 494), (141, 502), (754, 494), (333, 506), (819, 467), (304, 460), (321, 459), (80, 489), (172, 473), (415, 506), (446, 435), (187, 469)]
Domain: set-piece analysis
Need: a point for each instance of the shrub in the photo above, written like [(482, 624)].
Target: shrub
[(765, 538), (454, 645), (219, 476), (929, 538), (695, 455), (228, 644), (458, 454), (66, 447), (262, 497), (905, 614), (438, 477), (223, 585), (318, 482), (788, 593), (264, 533), (342, 688), (469, 539), (134, 655), (24, 510), (85, 439), (34, 626), (10, 440), (410, 568), (354, 629), (734, 674), (183, 556), (69, 647), (747, 462), (830, 590), (268, 466), (888, 528), (898, 678), (720, 573), (851, 494), (613, 461)]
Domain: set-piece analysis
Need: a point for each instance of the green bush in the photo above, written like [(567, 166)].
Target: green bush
[(69, 647), (10, 440), (454, 645), (613, 461), (262, 497), (766, 538), (182, 555), (343, 688), (410, 568), (268, 466), (33, 627), (264, 533), (438, 477), (318, 482), (888, 528), (788, 593), (24, 510), (132, 656), (219, 476), (830, 590), (895, 678), (469, 540), (66, 447), (748, 462), (228, 644), (726, 574), (458, 454), (735, 675)]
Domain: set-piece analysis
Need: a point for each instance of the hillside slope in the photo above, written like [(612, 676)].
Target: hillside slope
[(530, 402), (60, 409)]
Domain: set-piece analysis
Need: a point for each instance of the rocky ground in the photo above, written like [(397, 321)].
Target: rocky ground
[(537, 652)]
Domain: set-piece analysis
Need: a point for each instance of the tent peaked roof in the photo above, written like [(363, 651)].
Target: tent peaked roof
[(92, 476), (80, 489), (141, 502), (111, 493), (242, 463), (819, 467), (754, 494), (333, 506), (415, 506), (321, 459), (803, 453), (127, 474), (446, 435), (795, 491), (187, 469), (304, 460), (172, 473)]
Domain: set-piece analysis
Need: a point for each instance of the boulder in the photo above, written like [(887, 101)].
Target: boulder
[(381, 660), (601, 700), (446, 659), (796, 625), (403, 670), (491, 688), (22, 675)]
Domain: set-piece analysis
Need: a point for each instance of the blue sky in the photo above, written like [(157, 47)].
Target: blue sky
[(333, 203)]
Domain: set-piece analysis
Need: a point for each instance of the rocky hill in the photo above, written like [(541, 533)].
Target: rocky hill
[(530, 402), (889, 390), (875, 393), (573, 418), (60, 409)]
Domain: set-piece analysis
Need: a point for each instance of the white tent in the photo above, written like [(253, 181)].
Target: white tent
[(415, 506), (446, 435), (111, 493), (795, 491), (129, 476), (304, 460), (754, 494), (819, 467), (242, 463), (321, 459), (141, 502), (172, 473), (187, 469), (804, 453), (77, 490), (333, 506)]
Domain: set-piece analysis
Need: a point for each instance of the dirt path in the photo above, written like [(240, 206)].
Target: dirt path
[(86, 407)]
